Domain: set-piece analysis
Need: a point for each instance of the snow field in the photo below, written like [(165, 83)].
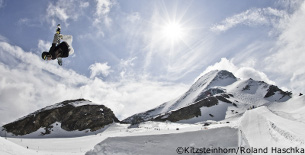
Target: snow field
[(168, 143)]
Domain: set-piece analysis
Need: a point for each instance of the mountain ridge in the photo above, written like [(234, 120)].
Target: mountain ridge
[(218, 88)]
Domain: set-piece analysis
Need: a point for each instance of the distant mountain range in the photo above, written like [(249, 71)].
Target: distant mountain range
[(214, 96)]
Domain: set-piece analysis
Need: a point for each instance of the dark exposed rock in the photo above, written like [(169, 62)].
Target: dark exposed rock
[(209, 92), (189, 111), (223, 98), (272, 89), (247, 87), (71, 117), (207, 124), (300, 94), (136, 120)]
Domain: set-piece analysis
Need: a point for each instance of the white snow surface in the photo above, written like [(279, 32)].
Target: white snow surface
[(167, 143), (280, 124), (75, 104)]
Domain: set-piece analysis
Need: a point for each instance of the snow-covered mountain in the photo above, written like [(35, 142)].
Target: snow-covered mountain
[(214, 96), (225, 113), (68, 118)]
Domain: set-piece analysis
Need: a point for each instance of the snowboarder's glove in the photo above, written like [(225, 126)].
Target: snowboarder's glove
[(59, 60)]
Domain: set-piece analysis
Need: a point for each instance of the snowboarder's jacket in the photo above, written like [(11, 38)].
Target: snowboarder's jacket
[(59, 51)]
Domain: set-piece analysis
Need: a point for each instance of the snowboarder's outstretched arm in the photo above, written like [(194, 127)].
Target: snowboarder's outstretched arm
[(57, 36)]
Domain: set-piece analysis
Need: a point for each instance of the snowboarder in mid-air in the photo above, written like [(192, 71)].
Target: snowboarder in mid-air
[(59, 49)]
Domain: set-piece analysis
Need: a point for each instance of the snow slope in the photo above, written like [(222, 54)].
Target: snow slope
[(258, 128), (62, 146), (9, 148), (293, 109), (263, 128), (167, 144)]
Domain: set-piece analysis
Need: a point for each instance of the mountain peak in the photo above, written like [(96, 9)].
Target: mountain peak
[(215, 78), (224, 74)]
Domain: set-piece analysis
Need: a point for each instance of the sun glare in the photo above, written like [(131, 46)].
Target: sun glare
[(173, 31)]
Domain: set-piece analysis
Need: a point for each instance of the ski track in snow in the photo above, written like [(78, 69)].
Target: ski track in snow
[(273, 129)]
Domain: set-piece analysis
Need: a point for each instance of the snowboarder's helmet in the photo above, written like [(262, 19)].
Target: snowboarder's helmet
[(44, 55)]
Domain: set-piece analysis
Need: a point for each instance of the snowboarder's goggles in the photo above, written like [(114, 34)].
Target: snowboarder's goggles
[(45, 57)]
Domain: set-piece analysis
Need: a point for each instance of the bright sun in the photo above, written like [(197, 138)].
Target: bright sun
[(173, 31)]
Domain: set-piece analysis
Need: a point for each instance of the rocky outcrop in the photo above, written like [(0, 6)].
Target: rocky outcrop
[(72, 115), (272, 89), (193, 110), (189, 111)]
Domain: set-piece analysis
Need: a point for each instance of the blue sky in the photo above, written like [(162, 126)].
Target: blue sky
[(132, 55)]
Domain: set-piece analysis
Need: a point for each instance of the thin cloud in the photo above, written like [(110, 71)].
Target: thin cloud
[(2, 38), (251, 17), (288, 54), (134, 17), (63, 11), (84, 4), (103, 8), (1, 4)]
